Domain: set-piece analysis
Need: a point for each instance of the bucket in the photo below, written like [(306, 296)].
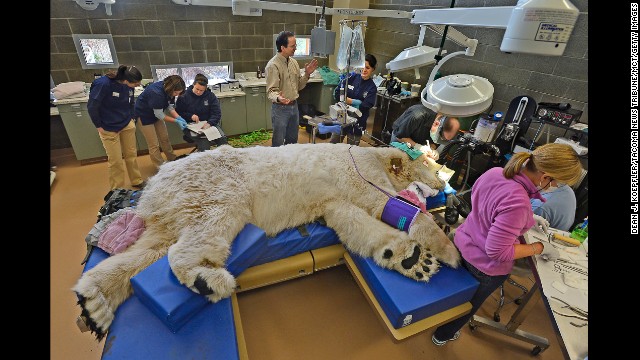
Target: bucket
[(399, 214), (487, 127), (415, 90)]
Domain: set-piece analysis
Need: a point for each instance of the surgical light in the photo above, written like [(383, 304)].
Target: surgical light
[(539, 27), (93, 4)]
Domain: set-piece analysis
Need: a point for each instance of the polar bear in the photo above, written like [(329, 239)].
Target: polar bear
[(193, 208)]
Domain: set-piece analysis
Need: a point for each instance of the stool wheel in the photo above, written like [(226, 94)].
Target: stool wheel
[(472, 327), (518, 301), (496, 317)]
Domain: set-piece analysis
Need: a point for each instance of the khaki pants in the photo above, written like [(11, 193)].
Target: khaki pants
[(118, 145), (157, 137)]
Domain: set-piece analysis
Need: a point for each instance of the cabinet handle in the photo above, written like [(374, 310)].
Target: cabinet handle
[(78, 114), (255, 95), (232, 100), (75, 106)]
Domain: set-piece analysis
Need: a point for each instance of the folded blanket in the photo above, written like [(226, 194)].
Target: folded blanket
[(66, 90), (121, 233), (323, 129)]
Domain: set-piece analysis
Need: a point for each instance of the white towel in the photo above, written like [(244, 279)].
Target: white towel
[(68, 89)]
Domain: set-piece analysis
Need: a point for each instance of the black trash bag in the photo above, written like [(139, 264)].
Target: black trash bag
[(307, 109)]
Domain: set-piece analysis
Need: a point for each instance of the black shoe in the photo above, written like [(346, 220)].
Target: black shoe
[(451, 215), (463, 208), (140, 186)]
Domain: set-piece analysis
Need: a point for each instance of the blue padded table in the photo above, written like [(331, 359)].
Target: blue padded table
[(291, 242), (408, 307), (136, 333), (175, 304)]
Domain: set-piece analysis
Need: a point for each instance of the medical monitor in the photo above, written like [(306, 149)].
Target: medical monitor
[(96, 51), (303, 47)]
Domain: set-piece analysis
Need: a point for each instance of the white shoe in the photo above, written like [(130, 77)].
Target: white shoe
[(440, 343)]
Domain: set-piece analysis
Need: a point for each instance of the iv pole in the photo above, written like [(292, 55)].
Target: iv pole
[(346, 80)]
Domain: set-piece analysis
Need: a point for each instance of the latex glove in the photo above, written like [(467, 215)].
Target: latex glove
[(541, 223), (549, 252), (181, 122), (356, 103)]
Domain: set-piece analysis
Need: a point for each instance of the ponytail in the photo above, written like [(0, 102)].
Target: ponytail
[(124, 72), (516, 163)]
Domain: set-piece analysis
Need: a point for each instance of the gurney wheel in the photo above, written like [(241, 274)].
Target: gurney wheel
[(536, 350)]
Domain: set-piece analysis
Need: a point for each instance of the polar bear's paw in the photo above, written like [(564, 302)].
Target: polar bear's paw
[(96, 313), (214, 283), (410, 259)]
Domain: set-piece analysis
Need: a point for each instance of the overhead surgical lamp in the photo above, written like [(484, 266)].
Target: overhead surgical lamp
[(93, 4), (539, 27)]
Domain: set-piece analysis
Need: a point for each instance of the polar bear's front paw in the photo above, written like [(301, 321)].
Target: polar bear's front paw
[(410, 259), (214, 283)]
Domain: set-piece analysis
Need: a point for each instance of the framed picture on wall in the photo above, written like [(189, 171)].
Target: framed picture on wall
[(96, 51)]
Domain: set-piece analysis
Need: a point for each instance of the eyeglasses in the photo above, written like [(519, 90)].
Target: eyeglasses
[(292, 46)]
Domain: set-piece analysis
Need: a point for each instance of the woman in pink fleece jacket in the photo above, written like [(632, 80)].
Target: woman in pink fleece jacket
[(501, 213)]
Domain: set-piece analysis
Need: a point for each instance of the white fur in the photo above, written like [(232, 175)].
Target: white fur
[(193, 208)]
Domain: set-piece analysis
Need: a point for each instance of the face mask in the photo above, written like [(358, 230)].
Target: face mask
[(546, 187), (434, 136)]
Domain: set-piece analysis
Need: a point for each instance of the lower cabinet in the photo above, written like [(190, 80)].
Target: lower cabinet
[(83, 135), (256, 114), (234, 115)]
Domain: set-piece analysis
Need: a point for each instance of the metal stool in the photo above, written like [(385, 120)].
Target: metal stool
[(520, 268)]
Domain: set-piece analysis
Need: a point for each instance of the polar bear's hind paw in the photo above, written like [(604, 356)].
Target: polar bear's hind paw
[(420, 265), (88, 320)]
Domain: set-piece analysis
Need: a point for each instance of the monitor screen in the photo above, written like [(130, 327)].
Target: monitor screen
[(96, 51), (303, 46)]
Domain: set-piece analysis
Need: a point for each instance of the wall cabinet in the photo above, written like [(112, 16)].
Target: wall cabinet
[(234, 115), (82, 133)]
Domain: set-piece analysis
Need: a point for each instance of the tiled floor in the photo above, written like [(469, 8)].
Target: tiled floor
[(322, 316)]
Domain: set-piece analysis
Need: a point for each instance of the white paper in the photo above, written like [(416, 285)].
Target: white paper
[(211, 133), (574, 338)]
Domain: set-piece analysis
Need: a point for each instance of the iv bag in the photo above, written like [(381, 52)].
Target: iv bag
[(356, 60), (345, 39)]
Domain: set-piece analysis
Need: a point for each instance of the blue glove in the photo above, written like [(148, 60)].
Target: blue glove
[(181, 122), (356, 103)]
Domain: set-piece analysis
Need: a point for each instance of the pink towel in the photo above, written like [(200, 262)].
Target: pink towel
[(413, 198), (121, 233)]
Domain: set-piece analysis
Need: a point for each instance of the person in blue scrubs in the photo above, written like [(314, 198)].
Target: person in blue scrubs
[(154, 107), (110, 108), (361, 94), (559, 208), (197, 104)]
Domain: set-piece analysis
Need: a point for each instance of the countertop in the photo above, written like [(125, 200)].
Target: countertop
[(137, 92), (253, 82)]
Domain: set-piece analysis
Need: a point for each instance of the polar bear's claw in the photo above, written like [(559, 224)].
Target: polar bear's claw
[(201, 285)]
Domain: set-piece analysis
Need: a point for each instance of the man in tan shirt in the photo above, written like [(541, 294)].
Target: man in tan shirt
[(283, 83)]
